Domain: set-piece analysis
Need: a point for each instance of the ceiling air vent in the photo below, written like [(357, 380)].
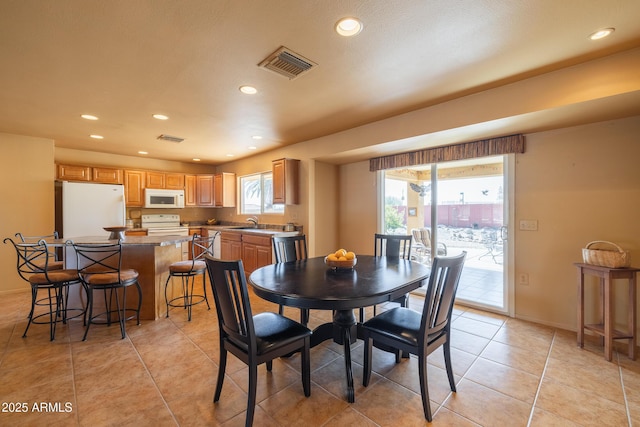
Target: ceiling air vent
[(287, 63), (170, 138)]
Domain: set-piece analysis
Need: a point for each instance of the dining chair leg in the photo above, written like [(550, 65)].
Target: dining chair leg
[(269, 365), (306, 368), (447, 362), (366, 374), (251, 400), (424, 387), (221, 368)]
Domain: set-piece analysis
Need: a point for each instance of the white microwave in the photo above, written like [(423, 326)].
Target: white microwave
[(166, 199)]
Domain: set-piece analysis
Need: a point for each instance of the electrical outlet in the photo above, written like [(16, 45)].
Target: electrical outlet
[(523, 279), (529, 224)]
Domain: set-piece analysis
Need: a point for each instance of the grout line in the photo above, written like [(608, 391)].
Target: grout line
[(624, 392), (546, 363)]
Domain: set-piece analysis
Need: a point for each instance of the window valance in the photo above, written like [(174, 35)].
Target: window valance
[(466, 150)]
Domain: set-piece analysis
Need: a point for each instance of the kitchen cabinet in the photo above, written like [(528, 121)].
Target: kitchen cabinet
[(173, 181), (74, 173), (199, 190), (107, 175), (155, 179), (190, 193), (135, 232), (256, 252), (230, 246), (224, 185), (134, 185), (204, 190), (89, 174), (285, 181)]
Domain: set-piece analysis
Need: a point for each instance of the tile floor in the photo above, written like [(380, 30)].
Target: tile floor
[(508, 373)]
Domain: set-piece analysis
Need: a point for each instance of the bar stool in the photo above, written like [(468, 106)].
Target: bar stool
[(187, 271), (34, 265), (55, 263), (100, 268)]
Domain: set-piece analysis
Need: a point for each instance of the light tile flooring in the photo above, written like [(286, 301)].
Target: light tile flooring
[(508, 373)]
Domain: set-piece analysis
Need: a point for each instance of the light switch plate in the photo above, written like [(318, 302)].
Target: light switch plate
[(529, 224)]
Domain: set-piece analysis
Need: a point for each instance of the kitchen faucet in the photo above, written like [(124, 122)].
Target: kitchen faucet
[(254, 221)]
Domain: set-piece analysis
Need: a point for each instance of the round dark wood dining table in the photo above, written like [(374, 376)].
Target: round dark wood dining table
[(312, 284)]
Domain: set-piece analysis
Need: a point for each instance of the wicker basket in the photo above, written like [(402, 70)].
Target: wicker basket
[(604, 257)]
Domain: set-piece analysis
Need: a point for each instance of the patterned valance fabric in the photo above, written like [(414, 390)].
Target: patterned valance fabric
[(466, 150)]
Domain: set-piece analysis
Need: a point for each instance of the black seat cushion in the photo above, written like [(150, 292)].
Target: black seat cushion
[(399, 323), (274, 330)]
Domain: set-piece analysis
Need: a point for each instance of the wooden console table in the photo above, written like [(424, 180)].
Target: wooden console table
[(606, 327)]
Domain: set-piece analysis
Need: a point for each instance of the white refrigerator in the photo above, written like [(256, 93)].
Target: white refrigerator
[(83, 209)]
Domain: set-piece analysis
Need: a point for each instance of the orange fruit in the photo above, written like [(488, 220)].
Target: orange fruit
[(332, 257), (350, 255), (341, 252)]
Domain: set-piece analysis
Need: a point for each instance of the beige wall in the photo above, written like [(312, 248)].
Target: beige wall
[(26, 180), (581, 184)]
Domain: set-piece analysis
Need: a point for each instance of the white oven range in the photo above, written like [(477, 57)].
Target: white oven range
[(164, 225)]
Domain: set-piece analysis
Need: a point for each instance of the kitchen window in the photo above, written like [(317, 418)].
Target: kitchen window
[(256, 195)]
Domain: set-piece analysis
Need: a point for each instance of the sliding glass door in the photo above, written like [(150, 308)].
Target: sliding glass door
[(468, 203)]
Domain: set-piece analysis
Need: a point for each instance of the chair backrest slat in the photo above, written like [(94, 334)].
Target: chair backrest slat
[(98, 258), (392, 245), (441, 291), (229, 287), (202, 245), (290, 248)]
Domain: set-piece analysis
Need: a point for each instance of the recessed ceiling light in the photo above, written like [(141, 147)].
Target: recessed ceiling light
[(229, 155), (196, 160), (348, 27), (249, 90), (160, 117), (600, 34), (97, 136), (252, 148), (89, 117), (256, 137), (143, 152)]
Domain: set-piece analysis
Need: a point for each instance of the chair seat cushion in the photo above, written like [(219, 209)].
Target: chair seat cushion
[(54, 276), (187, 266), (400, 323), (127, 277), (274, 330)]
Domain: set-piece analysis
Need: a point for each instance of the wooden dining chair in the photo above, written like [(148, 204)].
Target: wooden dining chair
[(392, 245), (34, 262), (254, 339), (287, 249), (402, 329)]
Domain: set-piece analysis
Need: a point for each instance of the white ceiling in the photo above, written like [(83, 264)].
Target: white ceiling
[(124, 60)]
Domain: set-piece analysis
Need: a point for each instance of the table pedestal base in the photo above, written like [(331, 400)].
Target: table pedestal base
[(343, 330)]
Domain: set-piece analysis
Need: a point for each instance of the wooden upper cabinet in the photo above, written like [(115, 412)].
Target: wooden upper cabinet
[(74, 173), (190, 191), (89, 174), (155, 179), (134, 185), (285, 181), (107, 175), (174, 181), (224, 190), (204, 190)]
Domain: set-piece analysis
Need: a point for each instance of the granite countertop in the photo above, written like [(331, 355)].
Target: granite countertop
[(273, 232), (129, 240)]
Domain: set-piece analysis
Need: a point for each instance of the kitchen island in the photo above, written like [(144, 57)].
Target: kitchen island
[(149, 255)]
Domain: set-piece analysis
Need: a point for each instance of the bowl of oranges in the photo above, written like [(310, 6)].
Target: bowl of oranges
[(341, 259)]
